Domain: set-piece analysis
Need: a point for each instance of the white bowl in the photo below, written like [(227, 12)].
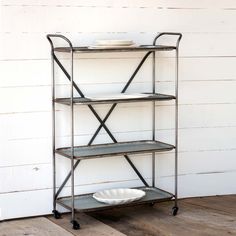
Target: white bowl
[(119, 196)]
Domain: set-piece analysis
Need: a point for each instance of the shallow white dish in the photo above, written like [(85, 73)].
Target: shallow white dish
[(114, 42), (119, 196), (117, 96)]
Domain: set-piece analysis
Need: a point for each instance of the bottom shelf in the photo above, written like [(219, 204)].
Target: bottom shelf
[(86, 202)]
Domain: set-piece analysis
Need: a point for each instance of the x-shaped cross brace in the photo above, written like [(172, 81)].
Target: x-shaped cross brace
[(102, 122)]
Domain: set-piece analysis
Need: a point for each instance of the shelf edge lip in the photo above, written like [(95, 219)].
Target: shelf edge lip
[(139, 202), (116, 206), (166, 149), (142, 187), (86, 49), (57, 151)]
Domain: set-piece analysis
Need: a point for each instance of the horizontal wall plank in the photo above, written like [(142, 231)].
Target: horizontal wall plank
[(198, 44), (124, 3), (108, 170), (25, 151), (35, 151), (213, 115), (42, 174), (205, 162), (38, 98), (17, 178), (20, 126), (205, 138), (39, 202), (25, 204), (26, 125), (37, 73), (201, 69), (25, 99), (208, 92), (211, 20), (25, 73), (201, 184)]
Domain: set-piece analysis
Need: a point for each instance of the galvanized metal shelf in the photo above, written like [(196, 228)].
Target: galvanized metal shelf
[(86, 101), (86, 202), (76, 154), (114, 149), (141, 48)]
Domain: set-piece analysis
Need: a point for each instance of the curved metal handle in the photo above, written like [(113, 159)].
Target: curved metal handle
[(169, 33), (49, 36)]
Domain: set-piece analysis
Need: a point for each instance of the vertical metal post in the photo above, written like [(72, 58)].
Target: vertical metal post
[(72, 139), (153, 116), (176, 122), (55, 195), (53, 132), (175, 208)]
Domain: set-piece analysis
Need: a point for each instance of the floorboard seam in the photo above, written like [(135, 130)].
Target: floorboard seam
[(61, 226), (210, 208)]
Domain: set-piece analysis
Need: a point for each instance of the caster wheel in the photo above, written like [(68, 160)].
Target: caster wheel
[(151, 204), (57, 214), (175, 210), (75, 224)]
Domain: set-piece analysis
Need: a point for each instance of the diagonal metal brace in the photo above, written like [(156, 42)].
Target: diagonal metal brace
[(123, 91), (102, 122), (82, 95)]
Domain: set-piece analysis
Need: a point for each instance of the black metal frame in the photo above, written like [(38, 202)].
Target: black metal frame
[(102, 121)]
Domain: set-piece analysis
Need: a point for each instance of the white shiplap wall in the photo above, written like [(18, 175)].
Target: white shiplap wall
[(207, 96)]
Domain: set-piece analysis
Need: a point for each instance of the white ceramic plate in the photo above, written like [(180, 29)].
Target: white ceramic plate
[(114, 42), (119, 196), (112, 46), (117, 96)]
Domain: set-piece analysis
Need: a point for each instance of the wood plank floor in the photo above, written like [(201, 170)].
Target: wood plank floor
[(39, 226), (197, 216)]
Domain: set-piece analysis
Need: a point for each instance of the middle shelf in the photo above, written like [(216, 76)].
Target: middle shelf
[(118, 98), (111, 149)]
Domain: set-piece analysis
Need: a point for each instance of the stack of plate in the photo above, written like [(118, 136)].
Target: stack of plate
[(114, 43)]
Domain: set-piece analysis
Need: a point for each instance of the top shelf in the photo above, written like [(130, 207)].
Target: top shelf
[(120, 49)]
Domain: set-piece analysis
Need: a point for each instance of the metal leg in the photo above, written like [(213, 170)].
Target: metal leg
[(175, 208), (102, 122), (56, 213), (176, 127), (53, 134), (153, 116), (73, 220), (72, 141), (153, 121)]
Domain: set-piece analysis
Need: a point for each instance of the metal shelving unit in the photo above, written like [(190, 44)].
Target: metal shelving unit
[(76, 154)]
